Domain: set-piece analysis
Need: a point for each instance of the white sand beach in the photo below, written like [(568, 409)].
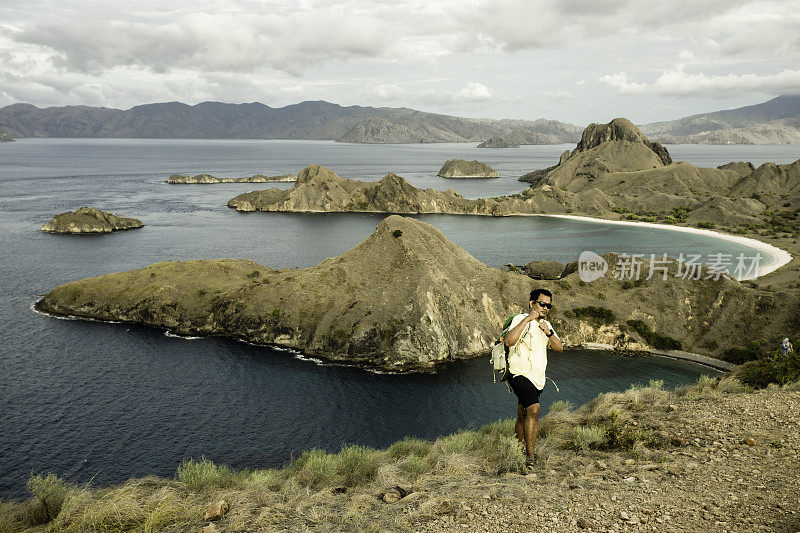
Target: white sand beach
[(777, 256)]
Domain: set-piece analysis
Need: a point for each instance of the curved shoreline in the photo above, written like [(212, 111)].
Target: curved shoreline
[(780, 257), (705, 360)]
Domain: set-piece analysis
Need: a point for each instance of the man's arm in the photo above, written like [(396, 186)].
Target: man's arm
[(515, 333), (555, 342)]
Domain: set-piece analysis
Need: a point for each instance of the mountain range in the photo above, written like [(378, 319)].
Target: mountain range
[(306, 120), (774, 122)]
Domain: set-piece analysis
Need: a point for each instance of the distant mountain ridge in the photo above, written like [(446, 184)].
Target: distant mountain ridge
[(318, 120), (776, 121)]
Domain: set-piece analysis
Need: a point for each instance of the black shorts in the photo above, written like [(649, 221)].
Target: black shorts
[(526, 392)]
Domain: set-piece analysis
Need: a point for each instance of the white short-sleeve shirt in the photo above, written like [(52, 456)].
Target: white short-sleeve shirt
[(528, 357)]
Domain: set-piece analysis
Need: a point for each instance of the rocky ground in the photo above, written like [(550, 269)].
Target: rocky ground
[(713, 456), (728, 462), (718, 480)]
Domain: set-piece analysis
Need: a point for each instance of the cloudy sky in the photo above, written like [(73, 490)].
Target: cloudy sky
[(577, 61)]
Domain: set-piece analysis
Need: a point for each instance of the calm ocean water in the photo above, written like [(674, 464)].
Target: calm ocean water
[(97, 401)]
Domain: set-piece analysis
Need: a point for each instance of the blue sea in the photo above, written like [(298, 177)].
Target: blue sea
[(105, 402)]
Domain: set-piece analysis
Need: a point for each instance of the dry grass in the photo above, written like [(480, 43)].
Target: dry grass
[(340, 491)]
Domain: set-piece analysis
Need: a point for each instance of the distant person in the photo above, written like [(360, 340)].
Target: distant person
[(528, 338), (786, 347)]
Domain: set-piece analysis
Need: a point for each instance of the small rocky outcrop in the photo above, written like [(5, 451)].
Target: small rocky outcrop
[(205, 179), (548, 269), (459, 168), (498, 142), (217, 510), (89, 220), (6, 137), (743, 168)]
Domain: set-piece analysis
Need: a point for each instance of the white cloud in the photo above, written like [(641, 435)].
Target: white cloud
[(378, 52), (678, 83), (620, 81), (209, 42), (473, 92)]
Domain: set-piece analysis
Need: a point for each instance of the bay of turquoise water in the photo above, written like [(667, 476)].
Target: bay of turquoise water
[(105, 402)]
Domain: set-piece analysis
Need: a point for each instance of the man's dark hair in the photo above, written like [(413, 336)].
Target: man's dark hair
[(535, 293)]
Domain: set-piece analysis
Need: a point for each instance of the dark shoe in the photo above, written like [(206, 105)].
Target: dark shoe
[(530, 465)]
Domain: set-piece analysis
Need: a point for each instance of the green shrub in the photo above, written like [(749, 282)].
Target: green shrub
[(706, 224), (50, 492), (738, 356), (409, 446), (204, 473), (586, 437), (357, 465), (596, 315), (462, 442), (777, 369), (656, 340), (315, 468), (505, 455), (560, 405), (619, 437), (414, 466)]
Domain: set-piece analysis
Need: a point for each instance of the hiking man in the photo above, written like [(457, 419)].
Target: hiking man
[(528, 338), (786, 347)]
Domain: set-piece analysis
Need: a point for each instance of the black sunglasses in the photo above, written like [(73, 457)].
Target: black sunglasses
[(544, 305)]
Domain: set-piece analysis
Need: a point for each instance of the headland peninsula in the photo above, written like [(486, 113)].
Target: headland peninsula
[(407, 298)]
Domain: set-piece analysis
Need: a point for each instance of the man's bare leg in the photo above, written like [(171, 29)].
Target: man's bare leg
[(530, 426), (518, 427)]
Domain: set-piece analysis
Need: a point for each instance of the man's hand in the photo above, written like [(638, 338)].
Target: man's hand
[(544, 327)]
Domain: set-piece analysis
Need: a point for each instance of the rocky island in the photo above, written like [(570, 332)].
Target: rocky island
[(614, 172), (88, 220), (498, 142), (6, 137), (458, 168), (205, 179)]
